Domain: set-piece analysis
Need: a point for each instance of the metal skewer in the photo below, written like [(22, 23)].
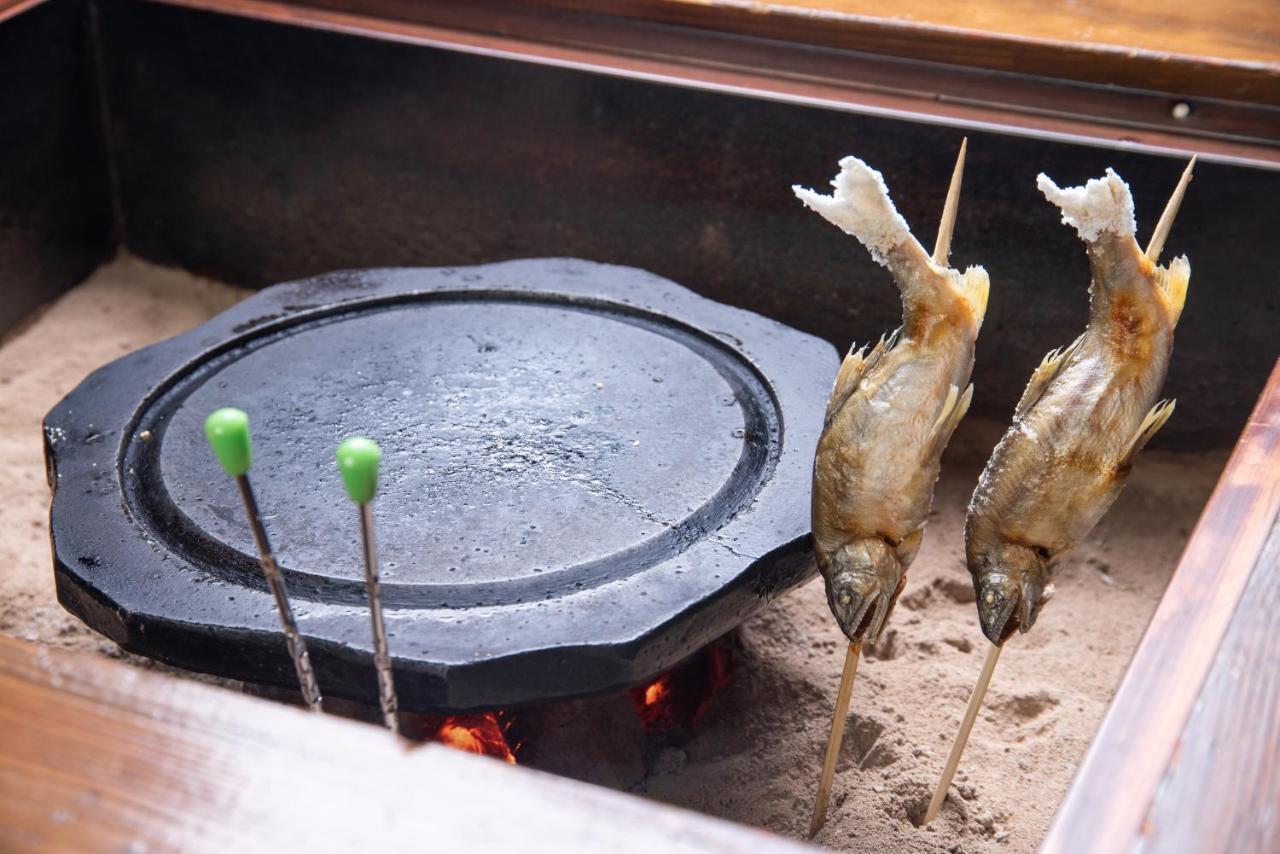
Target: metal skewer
[(228, 433), (358, 460), (941, 251)]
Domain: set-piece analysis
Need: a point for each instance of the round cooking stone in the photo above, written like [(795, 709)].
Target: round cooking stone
[(588, 472)]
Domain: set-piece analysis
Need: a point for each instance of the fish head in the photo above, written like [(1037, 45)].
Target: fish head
[(1012, 585), (863, 579)]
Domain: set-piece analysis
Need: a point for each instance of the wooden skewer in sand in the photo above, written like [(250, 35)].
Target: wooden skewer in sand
[(837, 736), (1154, 248), (941, 250), (962, 737)]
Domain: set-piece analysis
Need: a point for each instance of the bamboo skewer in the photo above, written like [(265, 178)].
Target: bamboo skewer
[(1165, 225), (942, 246), (941, 251), (836, 738), (962, 736)]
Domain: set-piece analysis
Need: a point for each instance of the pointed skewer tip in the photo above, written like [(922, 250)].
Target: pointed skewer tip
[(942, 246), (1165, 225)]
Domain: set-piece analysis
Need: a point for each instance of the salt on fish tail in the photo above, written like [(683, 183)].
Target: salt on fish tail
[(861, 207), (1102, 206)]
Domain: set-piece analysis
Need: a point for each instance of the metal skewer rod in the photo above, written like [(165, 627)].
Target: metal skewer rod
[(836, 738), (358, 460), (1165, 225), (962, 736), (228, 434)]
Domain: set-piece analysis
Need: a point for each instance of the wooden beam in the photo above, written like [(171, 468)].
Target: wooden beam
[(9, 8), (1226, 49), (798, 73), (99, 756), (1141, 736)]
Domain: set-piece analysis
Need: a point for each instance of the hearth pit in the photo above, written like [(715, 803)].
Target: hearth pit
[(616, 740)]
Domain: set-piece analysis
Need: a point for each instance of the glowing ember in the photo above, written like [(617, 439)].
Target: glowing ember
[(680, 697), (656, 691), (482, 734)]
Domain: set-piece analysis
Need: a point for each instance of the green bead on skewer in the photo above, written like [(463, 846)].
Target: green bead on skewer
[(358, 460), (228, 433)]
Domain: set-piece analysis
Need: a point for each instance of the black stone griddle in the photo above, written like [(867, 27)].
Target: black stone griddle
[(588, 473)]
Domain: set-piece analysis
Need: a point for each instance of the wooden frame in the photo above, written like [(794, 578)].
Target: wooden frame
[(649, 43), (1145, 739), (1179, 689), (100, 756)]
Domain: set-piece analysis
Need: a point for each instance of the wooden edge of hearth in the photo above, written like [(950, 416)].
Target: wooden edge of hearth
[(1107, 804), (97, 755), (9, 8), (777, 70)]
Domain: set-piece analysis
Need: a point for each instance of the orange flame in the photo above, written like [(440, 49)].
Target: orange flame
[(482, 734), (681, 696)]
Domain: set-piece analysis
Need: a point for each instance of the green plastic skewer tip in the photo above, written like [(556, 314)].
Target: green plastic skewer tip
[(228, 433), (358, 460)]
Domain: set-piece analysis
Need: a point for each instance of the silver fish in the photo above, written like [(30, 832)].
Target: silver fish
[(892, 411), (1088, 410)]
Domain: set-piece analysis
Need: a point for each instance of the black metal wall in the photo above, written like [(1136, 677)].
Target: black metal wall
[(55, 208)]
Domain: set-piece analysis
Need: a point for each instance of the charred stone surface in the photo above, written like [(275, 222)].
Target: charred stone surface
[(589, 472)]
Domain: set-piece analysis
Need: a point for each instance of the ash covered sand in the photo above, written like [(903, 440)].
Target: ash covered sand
[(756, 756), (125, 305)]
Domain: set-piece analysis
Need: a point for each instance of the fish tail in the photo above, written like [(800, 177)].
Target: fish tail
[(861, 207), (1172, 282), (1102, 206)]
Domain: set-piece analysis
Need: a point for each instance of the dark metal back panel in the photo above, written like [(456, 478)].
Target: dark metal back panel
[(258, 153), (55, 205)]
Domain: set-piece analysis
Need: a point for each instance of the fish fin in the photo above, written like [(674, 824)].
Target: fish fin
[(974, 285), (908, 548), (856, 365), (1151, 425), (1050, 366), (949, 417), (1172, 282)]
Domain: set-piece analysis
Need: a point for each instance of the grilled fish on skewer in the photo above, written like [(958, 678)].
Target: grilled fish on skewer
[(892, 411), (1087, 411)]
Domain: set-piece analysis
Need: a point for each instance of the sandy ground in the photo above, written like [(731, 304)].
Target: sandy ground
[(756, 756), (125, 305)]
